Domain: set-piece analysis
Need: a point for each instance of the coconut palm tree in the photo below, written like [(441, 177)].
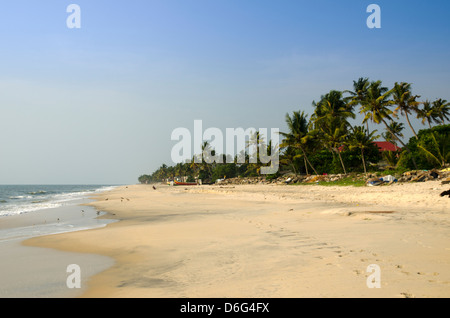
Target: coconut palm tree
[(206, 155), (255, 141), (358, 94), (427, 113), (178, 170), (362, 140), (406, 102), (163, 172), (375, 108), (395, 129), (438, 153), (332, 105), (194, 166), (442, 110), (376, 103), (359, 90), (270, 159), (289, 156), (330, 121), (334, 134), (298, 135)]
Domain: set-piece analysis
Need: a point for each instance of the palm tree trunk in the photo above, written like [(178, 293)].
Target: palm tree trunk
[(410, 126), (403, 144), (293, 168), (364, 161), (342, 162), (306, 157), (306, 165)]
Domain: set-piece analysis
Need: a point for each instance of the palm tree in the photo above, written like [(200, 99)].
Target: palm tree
[(334, 134), (171, 172), (288, 158), (272, 154), (440, 153), (405, 101), (194, 166), (298, 135), (207, 154), (391, 157), (427, 113), (255, 141), (178, 170), (330, 120), (395, 129), (359, 90), (332, 105), (442, 110), (362, 140), (163, 171), (375, 107), (358, 94)]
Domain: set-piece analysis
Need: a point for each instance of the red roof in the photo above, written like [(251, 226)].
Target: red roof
[(382, 146), (386, 146)]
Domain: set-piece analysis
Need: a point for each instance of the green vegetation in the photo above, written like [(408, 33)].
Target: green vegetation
[(326, 142), (347, 181), (429, 150)]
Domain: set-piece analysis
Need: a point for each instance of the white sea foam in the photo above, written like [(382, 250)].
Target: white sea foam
[(41, 199), (25, 208)]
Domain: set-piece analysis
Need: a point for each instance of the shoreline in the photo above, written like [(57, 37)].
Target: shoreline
[(31, 272), (267, 241)]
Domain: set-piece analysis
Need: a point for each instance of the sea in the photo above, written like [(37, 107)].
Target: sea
[(19, 199), (28, 211), (48, 209)]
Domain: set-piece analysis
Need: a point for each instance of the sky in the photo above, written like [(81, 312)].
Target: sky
[(97, 104)]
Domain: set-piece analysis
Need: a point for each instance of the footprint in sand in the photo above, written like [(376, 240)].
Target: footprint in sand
[(428, 274), (358, 272), (406, 273)]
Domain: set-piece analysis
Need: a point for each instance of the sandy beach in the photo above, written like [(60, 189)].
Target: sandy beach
[(268, 241)]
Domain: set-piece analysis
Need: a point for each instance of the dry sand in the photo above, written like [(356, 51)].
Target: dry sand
[(268, 241)]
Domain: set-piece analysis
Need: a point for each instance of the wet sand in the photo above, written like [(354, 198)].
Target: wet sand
[(38, 272)]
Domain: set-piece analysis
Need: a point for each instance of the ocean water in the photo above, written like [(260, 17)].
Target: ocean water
[(34, 210), (19, 199)]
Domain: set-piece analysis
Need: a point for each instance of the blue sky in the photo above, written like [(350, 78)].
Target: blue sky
[(98, 104)]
